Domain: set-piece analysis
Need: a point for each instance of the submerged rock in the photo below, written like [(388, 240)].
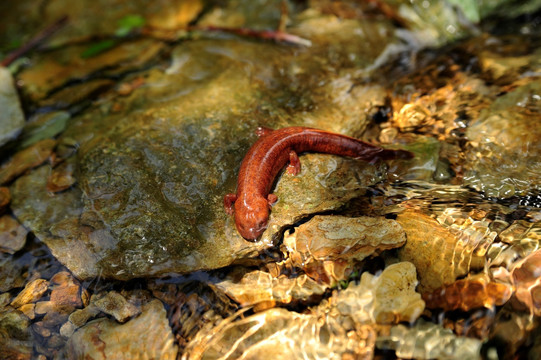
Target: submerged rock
[(438, 253), (26, 159), (387, 298), (16, 339), (429, 341), (32, 292), (326, 182), (282, 334), (469, 294), (525, 277), (504, 156), (263, 290), (328, 248), (146, 336)]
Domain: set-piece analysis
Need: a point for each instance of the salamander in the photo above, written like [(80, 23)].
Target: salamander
[(270, 153)]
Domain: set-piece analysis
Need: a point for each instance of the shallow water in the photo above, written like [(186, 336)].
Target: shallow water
[(113, 238)]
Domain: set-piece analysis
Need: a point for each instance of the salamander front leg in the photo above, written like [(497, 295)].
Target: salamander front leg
[(294, 167), (229, 200), (271, 199)]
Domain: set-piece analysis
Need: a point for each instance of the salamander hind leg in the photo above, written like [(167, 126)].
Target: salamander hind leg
[(294, 166), (229, 200)]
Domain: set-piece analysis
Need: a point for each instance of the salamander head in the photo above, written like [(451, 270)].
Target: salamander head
[(252, 220)]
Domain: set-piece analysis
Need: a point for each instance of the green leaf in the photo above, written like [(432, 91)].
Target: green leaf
[(98, 48), (129, 23)]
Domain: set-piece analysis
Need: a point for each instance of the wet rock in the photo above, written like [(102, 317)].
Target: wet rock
[(146, 336), (5, 198), (78, 319), (167, 215), (384, 299), (12, 234), (429, 341), (325, 183), (70, 96), (11, 116), (339, 237), (32, 292), (116, 305), (262, 289), (16, 340), (436, 251), (56, 68), (66, 290), (26, 159), (283, 334), (28, 310), (327, 247), (61, 178), (469, 294), (504, 147)]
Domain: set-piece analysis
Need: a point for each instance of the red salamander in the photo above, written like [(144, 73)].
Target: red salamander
[(271, 152)]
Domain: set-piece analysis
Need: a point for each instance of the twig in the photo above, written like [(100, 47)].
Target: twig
[(35, 41)]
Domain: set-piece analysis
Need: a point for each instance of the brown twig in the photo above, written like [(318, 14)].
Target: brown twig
[(35, 41)]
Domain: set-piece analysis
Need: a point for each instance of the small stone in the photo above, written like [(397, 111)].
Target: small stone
[(55, 341), (16, 339), (32, 292), (12, 234), (66, 291), (5, 198), (469, 294), (41, 329), (57, 315), (113, 303), (43, 307), (80, 317), (386, 299), (429, 341), (67, 329), (26, 159), (28, 310), (525, 275), (61, 178), (259, 287)]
